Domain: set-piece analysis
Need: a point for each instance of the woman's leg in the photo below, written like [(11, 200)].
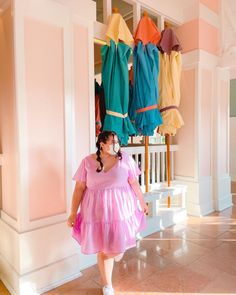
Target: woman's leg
[(119, 257), (105, 265)]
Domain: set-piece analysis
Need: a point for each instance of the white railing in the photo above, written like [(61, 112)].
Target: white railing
[(157, 163)]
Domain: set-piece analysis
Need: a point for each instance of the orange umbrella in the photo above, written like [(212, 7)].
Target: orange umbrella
[(147, 31)]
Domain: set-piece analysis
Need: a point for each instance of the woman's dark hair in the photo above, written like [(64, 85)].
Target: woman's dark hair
[(104, 137)]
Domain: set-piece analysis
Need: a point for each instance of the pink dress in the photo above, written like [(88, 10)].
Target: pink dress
[(109, 217)]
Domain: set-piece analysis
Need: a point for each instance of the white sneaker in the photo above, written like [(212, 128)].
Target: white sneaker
[(108, 290)]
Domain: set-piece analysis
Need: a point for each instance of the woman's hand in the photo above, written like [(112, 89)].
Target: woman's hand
[(71, 219), (136, 187), (144, 207)]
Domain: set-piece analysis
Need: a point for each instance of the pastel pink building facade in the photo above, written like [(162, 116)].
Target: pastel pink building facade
[(47, 125)]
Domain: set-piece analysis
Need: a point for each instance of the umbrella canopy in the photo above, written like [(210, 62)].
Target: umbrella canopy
[(147, 31), (116, 80), (168, 42), (169, 83), (146, 68), (118, 30)]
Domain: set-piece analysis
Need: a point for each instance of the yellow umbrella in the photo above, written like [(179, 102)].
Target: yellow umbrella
[(118, 29), (169, 89)]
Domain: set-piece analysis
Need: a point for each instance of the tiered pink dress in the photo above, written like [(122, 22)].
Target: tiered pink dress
[(109, 216)]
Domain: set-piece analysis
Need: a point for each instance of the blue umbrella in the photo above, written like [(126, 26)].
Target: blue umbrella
[(145, 100)]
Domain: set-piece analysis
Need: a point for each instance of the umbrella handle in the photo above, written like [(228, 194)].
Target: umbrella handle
[(168, 164), (146, 164), (145, 13), (115, 10)]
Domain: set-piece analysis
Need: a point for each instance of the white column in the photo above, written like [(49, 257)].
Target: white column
[(222, 197)]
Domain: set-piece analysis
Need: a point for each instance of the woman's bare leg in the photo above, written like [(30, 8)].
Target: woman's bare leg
[(119, 257), (105, 265)]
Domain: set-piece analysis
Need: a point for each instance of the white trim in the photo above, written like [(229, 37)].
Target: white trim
[(197, 116), (222, 197), (107, 10), (100, 31), (68, 111), (207, 60), (92, 136), (9, 220), (41, 280), (158, 10), (221, 182), (78, 7), (136, 14), (22, 195), (198, 195), (209, 16)]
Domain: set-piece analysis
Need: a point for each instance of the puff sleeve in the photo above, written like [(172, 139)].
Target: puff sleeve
[(81, 173), (133, 170)]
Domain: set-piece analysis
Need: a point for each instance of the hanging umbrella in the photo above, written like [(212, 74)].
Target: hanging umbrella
[(115, 78), (147, 31), (169, 87), (146, 68), (118, 30), (169, 83)]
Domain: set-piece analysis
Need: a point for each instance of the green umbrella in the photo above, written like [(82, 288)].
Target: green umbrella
[(116, 89)]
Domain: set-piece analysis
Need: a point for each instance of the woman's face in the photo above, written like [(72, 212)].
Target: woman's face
[(112, 143)]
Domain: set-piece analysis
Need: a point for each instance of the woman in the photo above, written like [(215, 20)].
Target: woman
[(106, 191)]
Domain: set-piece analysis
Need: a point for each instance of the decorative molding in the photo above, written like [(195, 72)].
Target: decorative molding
[(192, 58), (198, 195), (40, 280), (209, 16)]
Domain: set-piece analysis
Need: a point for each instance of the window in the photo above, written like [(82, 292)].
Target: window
[(126, 10), (99, 10)]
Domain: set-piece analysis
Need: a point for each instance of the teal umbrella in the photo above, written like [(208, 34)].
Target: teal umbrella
[(146, 68), (116, 89)]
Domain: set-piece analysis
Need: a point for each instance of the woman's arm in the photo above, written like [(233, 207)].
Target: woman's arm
[(137, 189), (76, 200)]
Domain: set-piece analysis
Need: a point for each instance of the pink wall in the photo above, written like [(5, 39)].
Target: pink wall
[(190, 29), (7, 116), (185, 136), (200, 35), (208, 37), (205, 123), (214, 5), (45, 118)]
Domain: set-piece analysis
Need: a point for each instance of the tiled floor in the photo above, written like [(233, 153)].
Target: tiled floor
[(194, 257), (3, 290)]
